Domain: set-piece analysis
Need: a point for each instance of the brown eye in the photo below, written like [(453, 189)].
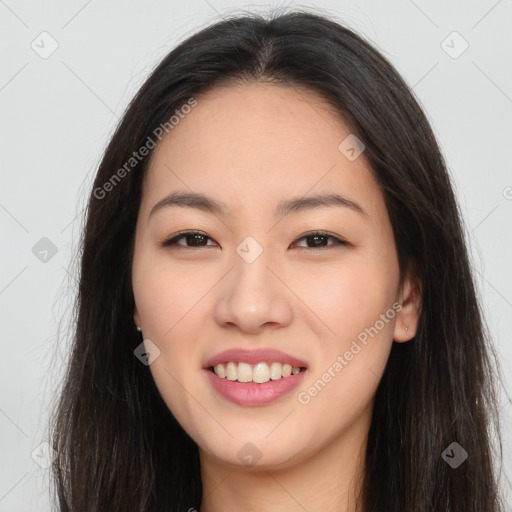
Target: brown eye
[(192, 239), (319, 239)]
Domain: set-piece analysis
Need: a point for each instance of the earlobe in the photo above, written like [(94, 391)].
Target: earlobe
[(407, 319)]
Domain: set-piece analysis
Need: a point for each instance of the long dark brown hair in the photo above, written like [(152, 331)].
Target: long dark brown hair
[(118, 446)]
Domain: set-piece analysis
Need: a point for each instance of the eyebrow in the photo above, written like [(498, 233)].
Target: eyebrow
[(285, 207)]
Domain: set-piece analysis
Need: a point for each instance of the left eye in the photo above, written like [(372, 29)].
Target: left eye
[(198, 239), (318, 237)]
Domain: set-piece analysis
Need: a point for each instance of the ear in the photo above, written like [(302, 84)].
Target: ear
[(407, 319), (136, 317)]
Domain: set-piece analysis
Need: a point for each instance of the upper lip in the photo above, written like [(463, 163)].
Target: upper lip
[(253, 357)]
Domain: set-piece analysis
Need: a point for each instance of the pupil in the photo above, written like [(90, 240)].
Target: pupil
[(195, 238), (316, 237)]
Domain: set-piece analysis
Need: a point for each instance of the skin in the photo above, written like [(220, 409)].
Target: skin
[(252, 146)]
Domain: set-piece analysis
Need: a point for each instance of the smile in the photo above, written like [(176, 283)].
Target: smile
[(251, 393), (258, 373)]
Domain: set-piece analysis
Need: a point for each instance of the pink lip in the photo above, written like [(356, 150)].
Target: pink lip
[(254, 356), (251, 393)]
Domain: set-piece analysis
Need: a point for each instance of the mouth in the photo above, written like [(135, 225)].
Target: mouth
[(259, 373), (254, 377), (247, 392), (259, 366)]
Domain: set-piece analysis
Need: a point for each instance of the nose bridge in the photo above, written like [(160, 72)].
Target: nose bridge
[(252, 295), (251, 278), (251, 269)]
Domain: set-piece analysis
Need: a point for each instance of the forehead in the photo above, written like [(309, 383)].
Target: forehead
[(256, 143)]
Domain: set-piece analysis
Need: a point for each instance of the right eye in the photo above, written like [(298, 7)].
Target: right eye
[(194, 238)]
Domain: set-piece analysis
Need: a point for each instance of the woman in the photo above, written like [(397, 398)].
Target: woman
[(276, 309)]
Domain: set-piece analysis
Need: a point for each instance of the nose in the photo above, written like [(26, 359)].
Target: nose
[(253, 297)]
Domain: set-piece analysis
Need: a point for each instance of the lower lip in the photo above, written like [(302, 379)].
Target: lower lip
[(250, 393)]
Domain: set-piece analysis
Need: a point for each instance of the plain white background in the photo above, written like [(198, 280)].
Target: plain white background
[(58, 111)]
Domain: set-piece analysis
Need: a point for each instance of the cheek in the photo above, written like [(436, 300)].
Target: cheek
[(169, 302), (167, 295), (355, 340), (353, 352), (349, 296)]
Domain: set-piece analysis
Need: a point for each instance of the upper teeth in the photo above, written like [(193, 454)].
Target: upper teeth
[(261, 372)]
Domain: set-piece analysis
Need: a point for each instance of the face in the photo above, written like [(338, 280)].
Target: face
[(259, 276)]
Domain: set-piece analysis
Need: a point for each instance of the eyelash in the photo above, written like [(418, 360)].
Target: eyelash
[(173, 240)]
